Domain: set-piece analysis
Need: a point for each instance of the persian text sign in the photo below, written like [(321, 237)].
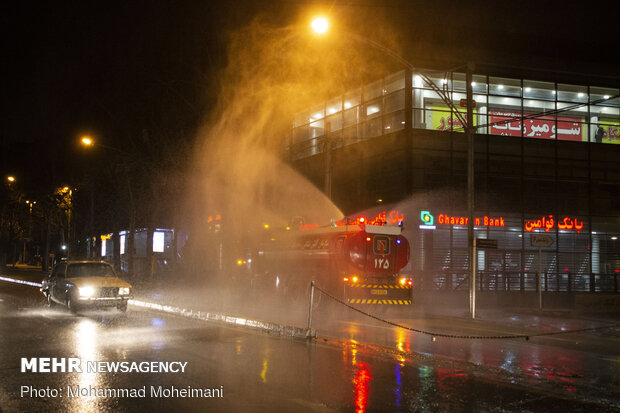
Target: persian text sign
[(611, 132), (443, 120), (509, 123), (548, 223)]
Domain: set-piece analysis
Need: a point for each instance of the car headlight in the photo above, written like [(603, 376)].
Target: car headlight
[(124, 291), (87, 291)]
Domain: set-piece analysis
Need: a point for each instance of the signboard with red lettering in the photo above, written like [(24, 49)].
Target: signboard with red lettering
[(463, 103), (443, 120), (509, 123), (548, 223), (429, 220), (611, 131)]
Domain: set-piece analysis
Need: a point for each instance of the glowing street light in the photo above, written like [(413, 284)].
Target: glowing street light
[(10, 179), (87, 141), (320, 25)]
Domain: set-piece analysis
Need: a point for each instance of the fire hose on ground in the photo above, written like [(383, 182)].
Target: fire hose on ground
[(435, 334)]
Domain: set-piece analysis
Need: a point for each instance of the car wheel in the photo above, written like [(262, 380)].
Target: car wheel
[(50, 303), (122, 307), (72, 305)]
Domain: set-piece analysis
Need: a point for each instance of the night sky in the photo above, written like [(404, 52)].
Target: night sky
[(116, 69), (109, 69)]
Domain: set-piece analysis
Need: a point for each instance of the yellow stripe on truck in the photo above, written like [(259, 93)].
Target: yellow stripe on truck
[(386, 286), (382, 302)]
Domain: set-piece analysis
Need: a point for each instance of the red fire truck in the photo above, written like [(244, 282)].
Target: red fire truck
[(357, 261)]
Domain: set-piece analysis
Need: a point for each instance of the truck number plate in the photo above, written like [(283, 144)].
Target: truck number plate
[(382, 263), (378, 292)]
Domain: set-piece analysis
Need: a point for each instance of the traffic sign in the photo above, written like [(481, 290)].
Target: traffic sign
[(541, 240), (486, 243)]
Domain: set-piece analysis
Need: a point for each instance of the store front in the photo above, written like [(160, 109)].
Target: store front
[(574, 259)]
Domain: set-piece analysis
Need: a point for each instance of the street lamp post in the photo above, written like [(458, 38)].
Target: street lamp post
[(471, 240), (320, 26), (10, 246), (30, 205), (89, 142)]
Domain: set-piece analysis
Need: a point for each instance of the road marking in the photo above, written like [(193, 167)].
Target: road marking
[(13, 280), (283, 330), (614, 360)]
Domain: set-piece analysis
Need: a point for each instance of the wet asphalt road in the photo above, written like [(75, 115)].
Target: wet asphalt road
[(258, 372)]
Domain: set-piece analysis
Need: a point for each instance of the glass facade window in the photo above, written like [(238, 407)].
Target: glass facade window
[(394, 83), (479, 84), (395, 101), (504, 106), (334, 106), (334, 122), (394, 121), (572, 93), (372, 128), (437, 81), (373, 90), (352, 98), (352, 116), (457, 82), (528, 178), (504, 87), (539, 90), (373, 108)]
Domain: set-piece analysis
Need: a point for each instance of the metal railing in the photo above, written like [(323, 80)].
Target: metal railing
[(524, 281)]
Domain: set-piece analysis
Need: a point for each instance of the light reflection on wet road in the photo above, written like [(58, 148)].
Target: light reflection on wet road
[(262, 373), (566, 362)]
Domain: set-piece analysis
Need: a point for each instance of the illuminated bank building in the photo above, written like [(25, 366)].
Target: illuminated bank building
[(547, 162)]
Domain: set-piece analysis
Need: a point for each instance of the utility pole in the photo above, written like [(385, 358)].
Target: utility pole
[(469, 131)]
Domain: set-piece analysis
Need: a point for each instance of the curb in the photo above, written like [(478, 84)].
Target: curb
[(265, 326)]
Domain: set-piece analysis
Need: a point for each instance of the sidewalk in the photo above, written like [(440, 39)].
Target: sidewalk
[(452, 321), (23, 272), (22, 267)]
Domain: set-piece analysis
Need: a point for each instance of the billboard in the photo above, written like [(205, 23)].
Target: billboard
[(509, 123), (443, 120), (611, 130)]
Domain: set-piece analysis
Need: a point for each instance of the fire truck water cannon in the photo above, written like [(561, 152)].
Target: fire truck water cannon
[(357, 259)]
